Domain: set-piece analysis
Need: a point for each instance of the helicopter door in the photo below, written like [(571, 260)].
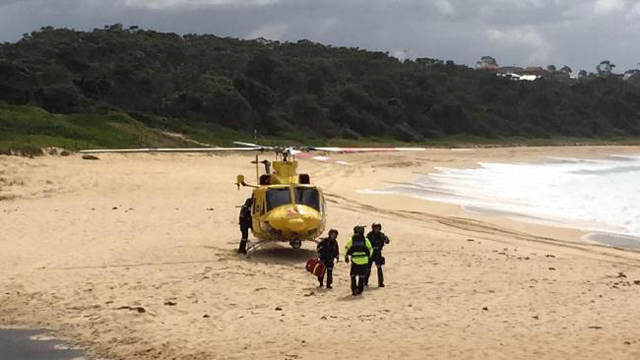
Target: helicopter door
[(258, 209), (263, 206), (256, 206)]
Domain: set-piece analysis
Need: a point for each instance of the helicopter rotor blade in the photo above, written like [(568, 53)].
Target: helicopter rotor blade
[(306, 150), (246, 144), (292, 150), (322, 159), (359, 150), (252, 145), (164, 150)]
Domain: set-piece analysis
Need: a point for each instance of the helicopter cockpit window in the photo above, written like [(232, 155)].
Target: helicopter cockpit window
[(308, 196), (278, 197)]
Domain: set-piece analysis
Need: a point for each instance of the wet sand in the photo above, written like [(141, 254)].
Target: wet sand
[(18, 345), (623, 242), (615, 240)]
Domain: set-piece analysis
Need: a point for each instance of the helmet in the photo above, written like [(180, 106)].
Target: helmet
[(332, 231), (359, 229), (376, 225)]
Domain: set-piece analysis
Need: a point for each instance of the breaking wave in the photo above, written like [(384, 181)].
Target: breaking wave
[(591, 194)]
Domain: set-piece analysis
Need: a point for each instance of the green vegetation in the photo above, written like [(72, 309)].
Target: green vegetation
[(28, 129), (116, 87)]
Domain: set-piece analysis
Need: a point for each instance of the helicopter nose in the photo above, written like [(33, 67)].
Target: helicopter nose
[(296, 224)]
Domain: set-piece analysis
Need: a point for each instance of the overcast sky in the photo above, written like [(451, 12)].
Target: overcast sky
[(578, 33)]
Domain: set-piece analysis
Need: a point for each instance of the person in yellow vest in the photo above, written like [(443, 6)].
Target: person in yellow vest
[(360, 250)]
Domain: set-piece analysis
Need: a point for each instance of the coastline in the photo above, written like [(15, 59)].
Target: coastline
[(600, 233), (618, 241), (134, 256), (23, 344)]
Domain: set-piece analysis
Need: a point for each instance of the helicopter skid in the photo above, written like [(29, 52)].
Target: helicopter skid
[(253, 246), (296, 244)]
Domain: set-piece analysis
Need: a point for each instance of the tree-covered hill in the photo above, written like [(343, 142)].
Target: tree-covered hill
[(196, 82)]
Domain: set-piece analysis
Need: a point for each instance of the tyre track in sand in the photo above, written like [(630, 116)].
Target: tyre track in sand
[(471, 227)]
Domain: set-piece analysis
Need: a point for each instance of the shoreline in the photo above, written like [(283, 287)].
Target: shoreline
[(587, 231), (602, 237), (618, 241), (26, 344)]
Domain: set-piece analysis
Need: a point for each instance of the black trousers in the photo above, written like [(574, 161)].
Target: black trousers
[(329, 264), (377, 259), (244, 229), (359, 272)]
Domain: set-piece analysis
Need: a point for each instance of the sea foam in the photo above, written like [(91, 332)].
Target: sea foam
[(591, 194)]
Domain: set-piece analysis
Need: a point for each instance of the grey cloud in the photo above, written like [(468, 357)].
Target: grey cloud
[(8, 2), (527, 32)]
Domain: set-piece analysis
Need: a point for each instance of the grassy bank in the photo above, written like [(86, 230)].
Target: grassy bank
[(26, 130)]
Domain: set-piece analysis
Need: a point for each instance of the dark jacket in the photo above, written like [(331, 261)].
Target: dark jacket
[(245, 216), (328, 248), (377, 240)]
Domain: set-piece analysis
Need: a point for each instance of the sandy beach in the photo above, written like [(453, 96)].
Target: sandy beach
[(133, 257)]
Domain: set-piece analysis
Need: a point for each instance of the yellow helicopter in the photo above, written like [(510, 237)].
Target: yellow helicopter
[(286, 207)]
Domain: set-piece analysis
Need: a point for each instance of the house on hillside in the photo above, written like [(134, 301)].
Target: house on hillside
[(510, 69), (517, 77), (534, 70), (631, 73), (522, 74)]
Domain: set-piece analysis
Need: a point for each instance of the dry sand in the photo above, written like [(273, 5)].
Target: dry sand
[(133, 257)]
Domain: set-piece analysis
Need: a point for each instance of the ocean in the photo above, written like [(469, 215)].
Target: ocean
[(33, 345), (598, 195)]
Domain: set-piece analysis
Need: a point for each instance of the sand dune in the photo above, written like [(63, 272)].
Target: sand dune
[(133, 257)]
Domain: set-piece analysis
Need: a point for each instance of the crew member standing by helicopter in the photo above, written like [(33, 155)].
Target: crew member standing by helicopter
[(245, 223), (378, 239), (360, 250), (328, 250)]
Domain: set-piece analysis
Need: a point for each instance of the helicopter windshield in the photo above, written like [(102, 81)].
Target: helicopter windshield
[(308, 197), (278, 197)]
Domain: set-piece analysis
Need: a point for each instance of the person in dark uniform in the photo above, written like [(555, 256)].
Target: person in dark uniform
[(360, 250), (378, 240), (245, 223), (328, 250)]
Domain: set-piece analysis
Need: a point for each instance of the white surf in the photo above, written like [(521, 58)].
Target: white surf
[(591, 194)]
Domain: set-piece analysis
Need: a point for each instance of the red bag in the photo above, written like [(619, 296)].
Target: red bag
[(316, 267)]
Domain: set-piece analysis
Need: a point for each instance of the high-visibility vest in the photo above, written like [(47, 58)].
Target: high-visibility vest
[(360, 249)]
